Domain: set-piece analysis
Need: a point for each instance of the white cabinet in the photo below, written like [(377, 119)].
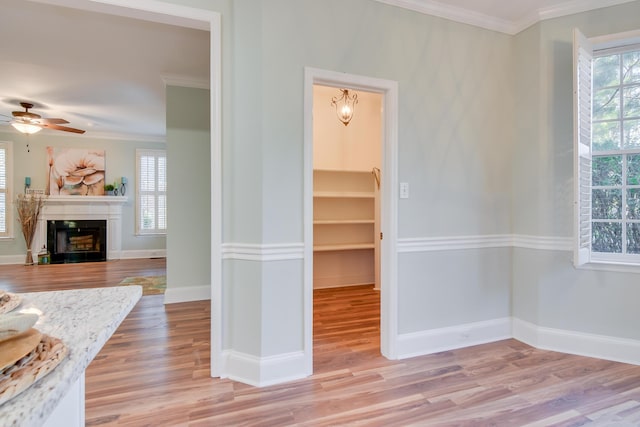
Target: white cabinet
[(344, 228)]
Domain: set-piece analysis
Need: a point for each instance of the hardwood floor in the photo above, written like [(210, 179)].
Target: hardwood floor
[(39, 278), (154, 371)]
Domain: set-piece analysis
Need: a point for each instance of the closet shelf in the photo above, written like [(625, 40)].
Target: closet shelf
[(344, 194), (343, 247), (343, 221)]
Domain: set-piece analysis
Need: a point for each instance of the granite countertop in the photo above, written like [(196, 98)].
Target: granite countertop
[(84, 319)]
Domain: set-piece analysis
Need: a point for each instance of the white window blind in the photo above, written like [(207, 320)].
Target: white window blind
[(151, 191), (582, 101), (5, 189)]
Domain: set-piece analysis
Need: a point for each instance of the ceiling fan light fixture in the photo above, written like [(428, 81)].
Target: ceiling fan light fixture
[(27, 128)]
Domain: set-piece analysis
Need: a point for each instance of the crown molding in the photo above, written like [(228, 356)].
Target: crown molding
[(146, 10), (184, 81), (576, 6), (454, 13), (124, 137), (466, 16)]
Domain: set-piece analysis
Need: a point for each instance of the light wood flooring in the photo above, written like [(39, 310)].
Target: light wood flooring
[(154, 371)]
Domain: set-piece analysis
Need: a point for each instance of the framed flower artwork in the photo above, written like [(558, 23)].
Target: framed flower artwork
[(75, 171)]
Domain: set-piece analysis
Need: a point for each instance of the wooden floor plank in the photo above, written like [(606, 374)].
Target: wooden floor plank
[(154, 371)]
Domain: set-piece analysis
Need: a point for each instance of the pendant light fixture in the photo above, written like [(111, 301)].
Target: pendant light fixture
[(345, 105)]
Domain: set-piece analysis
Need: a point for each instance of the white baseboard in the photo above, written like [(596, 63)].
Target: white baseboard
[(339, 282), (452, 337), (579, 343), (13, 259), (137, 254), (571, 342), (143, 253), (263, 371), (187, 294)]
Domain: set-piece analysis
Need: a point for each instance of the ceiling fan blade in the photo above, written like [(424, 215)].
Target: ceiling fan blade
[(53, 121), (27, 115), (56, 127)]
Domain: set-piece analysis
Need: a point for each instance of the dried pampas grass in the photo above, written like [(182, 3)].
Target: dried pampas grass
[(29, 207)]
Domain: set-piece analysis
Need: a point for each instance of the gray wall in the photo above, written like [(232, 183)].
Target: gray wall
[(484, 140), (120, 161), (547, 290), (455, 138), (189, 188)]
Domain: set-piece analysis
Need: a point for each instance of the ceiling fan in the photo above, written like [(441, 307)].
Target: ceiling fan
[(28, 122)]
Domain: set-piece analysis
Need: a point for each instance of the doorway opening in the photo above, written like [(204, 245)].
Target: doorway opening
[(208, 20), (346, 191), (346, 225), (348, 219)]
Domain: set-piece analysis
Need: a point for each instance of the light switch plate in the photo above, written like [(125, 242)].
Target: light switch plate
[(404, 190)]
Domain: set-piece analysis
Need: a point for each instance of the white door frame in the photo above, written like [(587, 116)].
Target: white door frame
[(207, 20), (388, 203)]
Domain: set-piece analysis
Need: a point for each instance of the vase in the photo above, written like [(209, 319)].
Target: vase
[(29, 259)]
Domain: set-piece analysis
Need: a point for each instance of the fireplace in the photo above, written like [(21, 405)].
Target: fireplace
[(107, 209), (72, 241)]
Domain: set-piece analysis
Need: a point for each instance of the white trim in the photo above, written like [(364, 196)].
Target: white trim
[(184, 81), (130, 254), (187, 294), (263, 371), (550, 243), (146, 10), (123, 137), (12, 259), (295, 251), (576, 6), (443, 339), (458, 336), (388, 203), (143, 253), (455, 13), (583, 344), (617, 40), (111, 136), (456, 243), (453, 243), (611, 267), (263, 253), (214, 22), (477, 19)]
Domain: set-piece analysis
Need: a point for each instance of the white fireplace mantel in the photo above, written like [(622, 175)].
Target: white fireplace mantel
[(67, 208)]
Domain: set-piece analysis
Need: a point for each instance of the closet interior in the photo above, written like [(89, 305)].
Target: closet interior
[(346, 190)]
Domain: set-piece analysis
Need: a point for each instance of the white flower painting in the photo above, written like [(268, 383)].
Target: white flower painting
[(73, 171)]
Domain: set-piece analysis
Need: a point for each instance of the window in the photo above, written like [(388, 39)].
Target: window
[(5, 190), (607, 146), (151, 192)]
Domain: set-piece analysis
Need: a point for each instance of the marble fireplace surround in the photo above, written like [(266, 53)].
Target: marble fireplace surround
[(107, 208)]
